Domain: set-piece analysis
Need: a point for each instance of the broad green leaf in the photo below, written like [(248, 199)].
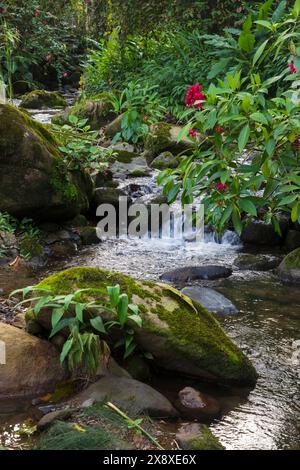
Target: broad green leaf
[(57, 314), (288, 200), (294, 213), (259, 52), (123, 309), (259, 117), (97, 324), (244, 137), (247, 41), (247, 206), (66, 349), (114, 295)]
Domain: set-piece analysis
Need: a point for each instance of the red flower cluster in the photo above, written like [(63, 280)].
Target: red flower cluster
[(292, 68), (37, 13), (296, 144), (49, 57), (220, 130), (194, 97), (193, 133), (3, 11), (222, 187)]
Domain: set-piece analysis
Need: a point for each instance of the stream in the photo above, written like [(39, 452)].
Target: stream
[(266, 329)]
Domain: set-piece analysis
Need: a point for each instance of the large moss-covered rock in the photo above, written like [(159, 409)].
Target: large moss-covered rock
[(182, 336), (289, 269), (164, 137), (98, 112), (34, 180), (39, 99), (31, 365)]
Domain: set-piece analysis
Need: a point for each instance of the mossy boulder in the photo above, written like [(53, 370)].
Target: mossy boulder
[(289, 269), (34, 180), (165, 160), (182, 336), (98, 112), (196, 436), (39, 99), (164, 137)]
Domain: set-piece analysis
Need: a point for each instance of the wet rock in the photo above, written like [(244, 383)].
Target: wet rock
[(138, 368), (32, 365), (194, 404), (104, 179), (164, 137), (210, 299), (97, 112), (39, 99), (49, 418), (34, 180), (88, 235), (192, 273), (62, 249), (196, 436), (289, 269), (259, 233), (257, 262), (108, 196), (165, 160), (129, 394), (182, 337), (292, 240), (124, 152), (79, 221), (130, 167)]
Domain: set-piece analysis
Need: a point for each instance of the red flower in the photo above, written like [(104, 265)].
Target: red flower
[(220, 130), (49, 57), (296, 144), (3, 11), (222, 187), (66, 74), (292, 68), (45, 22), (193, 133), (37, 13), (194, 97)]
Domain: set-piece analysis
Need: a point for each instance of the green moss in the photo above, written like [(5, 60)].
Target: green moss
[(292, 260), (191, 332), (43, 99), (158, 139), (207, 441)]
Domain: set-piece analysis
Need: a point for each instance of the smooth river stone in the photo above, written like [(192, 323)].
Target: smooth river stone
[(212, 300)]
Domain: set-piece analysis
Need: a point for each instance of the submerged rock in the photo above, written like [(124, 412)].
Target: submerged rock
[(34, 180), (181, 335), (194, 404), (196, 436), (257, 262), (192, 273), (32, 365), (289, 269), (131, 395), (210, 299), (39, 99), (258, 232)]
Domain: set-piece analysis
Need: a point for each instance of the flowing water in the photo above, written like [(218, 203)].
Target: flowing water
[(266, 328)]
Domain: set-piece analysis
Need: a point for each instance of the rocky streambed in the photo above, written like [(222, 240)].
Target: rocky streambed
[(242, 289)]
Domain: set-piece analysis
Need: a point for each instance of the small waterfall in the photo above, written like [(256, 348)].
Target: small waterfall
[(2, 93)]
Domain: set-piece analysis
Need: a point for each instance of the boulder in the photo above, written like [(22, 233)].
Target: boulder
[(258, 232), (88, 235), (34, 180), (164, 160), (39, 99), (292, 240), (196, 405), (210, 299), (163, 137), (192, 273), (97, 111), (196, 436), (114, 127), (47, 420), (32, 365), (180, 334), (131, 395), (289, 269), (251, 262)]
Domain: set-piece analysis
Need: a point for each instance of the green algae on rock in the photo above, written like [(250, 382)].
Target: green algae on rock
[(34, 180), (181, 335), (289, 269), (39, 99)]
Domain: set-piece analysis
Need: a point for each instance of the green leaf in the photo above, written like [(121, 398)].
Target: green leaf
[(97, 324), (66, 349), (247, 41), (114, 295), (259, 117), (264, 23), (270, 147), (294, 213), (288, 200), (247, 206), (123, 309), (136, 319), (61, 325), (244, 137), (259, 52), (296, 8), (79, 308), (236, 219), (57, 314)]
